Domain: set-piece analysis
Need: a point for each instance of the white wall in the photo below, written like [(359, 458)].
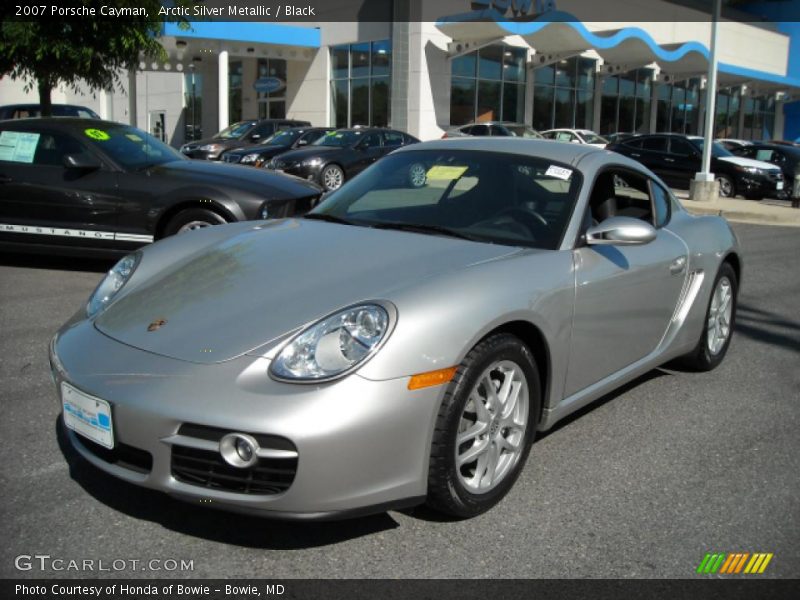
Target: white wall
[(307, 89)]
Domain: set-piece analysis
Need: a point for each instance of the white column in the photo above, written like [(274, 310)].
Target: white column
[(222, 85), (711, 98), (132, 94)]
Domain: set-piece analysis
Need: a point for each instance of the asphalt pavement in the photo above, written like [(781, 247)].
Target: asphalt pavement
[(640, 484)]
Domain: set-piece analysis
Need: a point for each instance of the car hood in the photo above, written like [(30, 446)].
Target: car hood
[(749, 162), (234, 177), (263, 150), (310, 152), (266, 280)]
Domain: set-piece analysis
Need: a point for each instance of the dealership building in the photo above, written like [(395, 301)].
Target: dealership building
[(548, 64)]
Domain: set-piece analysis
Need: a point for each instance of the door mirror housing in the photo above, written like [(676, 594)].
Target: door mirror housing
[(620, 231), (82, 161)]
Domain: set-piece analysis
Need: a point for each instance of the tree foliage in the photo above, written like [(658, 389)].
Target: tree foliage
[(52, 51)]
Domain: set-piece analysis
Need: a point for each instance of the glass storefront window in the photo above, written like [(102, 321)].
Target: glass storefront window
[(361, 84), (488, 85), (272, 105), (234, 91), (626, 102), (563, 94)]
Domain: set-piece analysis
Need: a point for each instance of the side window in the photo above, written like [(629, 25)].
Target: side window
[(373, 140), (564, 136), (635, 143), (480, 130), (498, 130), (680, 147), (661, 204), (746, 151), (392, 139), (654, 144), (466, 130), (619, 193)]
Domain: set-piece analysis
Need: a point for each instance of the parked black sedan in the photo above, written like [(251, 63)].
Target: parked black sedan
[(676, 158), (339, 155), (783, 156), (282, 141), (89, 186), (238, 135)]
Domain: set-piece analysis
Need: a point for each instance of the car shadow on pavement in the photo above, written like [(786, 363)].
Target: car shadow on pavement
[(55, 263), (210, 524), (767, 327)]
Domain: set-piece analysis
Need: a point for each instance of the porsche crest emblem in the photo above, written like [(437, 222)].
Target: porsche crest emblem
[(156, 325)]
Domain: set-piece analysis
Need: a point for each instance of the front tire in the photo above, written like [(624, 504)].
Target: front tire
[(485, 427), (191, 219), (718, 325), (332, 178), (727, 189)]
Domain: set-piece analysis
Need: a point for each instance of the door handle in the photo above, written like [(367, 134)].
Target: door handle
[(669, 159), (678, 265), (636, 155)]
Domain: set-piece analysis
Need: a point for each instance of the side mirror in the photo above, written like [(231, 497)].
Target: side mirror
[(620, 231), (82, 161)]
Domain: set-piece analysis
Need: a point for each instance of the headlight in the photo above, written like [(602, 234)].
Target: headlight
[(212, 148), (335, 345), (750, 170), (312, 162), (112, 284), (248, 158)]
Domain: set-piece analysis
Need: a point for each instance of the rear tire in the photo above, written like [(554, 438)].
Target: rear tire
[(193, 218), (483, 436), (710, 349)]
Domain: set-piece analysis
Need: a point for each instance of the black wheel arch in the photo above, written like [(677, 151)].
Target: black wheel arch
[(230, 214)]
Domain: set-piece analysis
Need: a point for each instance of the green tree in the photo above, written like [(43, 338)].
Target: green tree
[(52, 51)]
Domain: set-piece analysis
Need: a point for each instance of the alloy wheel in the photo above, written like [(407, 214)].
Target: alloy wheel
[(491, 431), (718, 327)]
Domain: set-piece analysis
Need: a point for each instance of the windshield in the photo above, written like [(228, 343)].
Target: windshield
[(717, 149), (592, 138), (491, 197), (339, 139), (282, 138), (129, 147), (522, 131), (236, 131)]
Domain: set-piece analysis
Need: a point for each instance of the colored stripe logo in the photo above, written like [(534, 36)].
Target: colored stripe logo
[(734, 563)]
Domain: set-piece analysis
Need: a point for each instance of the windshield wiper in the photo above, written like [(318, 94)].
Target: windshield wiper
[(328, 218), (425, 228)]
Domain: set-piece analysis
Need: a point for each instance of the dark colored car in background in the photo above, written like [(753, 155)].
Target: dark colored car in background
[(494, 128), (238, 135), (87, 186), (26, 111), (340, 154), (620, 136), (676, 158), (279, 142), (785, 157)]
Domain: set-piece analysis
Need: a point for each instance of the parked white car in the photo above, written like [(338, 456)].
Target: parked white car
[(576, 136)]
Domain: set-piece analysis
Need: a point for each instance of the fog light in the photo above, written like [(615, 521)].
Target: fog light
[(244, 450), (239, 450)]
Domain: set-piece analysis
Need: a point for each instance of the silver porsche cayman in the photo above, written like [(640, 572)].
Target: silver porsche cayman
[(400, 344)]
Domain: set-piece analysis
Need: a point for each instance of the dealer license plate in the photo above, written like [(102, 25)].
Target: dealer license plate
[(87, 415), (779, 185)]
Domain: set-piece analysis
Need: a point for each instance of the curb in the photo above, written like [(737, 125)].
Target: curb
[(778, 218)]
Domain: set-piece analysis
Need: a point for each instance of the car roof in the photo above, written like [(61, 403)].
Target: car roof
[(565, 153), (62, 122)]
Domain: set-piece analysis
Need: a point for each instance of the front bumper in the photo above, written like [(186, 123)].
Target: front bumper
[(755, 184), (361, 445), (198, 154)]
